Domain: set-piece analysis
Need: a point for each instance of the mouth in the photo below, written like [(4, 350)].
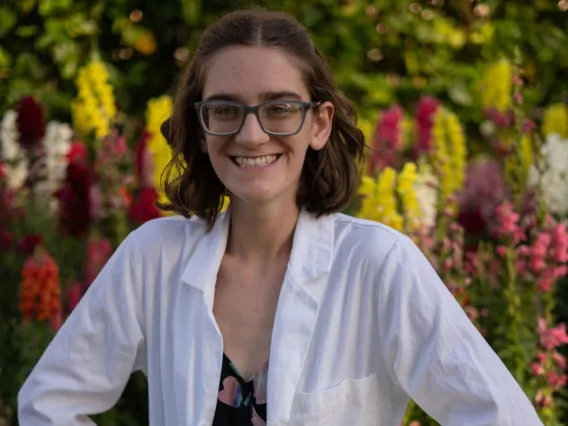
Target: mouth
[(263, 161)]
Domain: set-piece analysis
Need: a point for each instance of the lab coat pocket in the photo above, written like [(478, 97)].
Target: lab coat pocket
[(351, 402)]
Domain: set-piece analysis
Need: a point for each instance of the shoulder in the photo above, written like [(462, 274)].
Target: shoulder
[(168, 228), (165, 235), (355, 233), (373, 244)]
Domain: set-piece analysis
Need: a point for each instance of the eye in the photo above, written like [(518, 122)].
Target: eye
[(282, 109), (225, 111)]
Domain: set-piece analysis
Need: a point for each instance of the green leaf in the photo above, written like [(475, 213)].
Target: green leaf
[(26, 31), (5, 58), (8, 19), (191, 11), (47, 7)]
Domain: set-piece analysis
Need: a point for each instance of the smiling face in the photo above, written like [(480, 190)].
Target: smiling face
[(254, 166)]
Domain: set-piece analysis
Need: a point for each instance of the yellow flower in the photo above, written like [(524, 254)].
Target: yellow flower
[(405, 188), (518, 165), (449, 154), (379, 202), (157, 111), (556, 120), (496, 86), (94, 109), (526, 153), (146, 43)]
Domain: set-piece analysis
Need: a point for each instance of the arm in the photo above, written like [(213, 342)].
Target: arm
[(87, 365), (436, 354)]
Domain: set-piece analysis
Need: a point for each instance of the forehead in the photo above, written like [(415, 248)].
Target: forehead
[(247, 73)]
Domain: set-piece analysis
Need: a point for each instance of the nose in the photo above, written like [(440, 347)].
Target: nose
[(251, 134)]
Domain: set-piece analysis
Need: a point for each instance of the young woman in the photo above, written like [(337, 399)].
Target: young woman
[(280, 311)]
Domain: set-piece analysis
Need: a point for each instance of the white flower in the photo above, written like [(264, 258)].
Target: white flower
[(57, 143), (554, 185), (555, 152), (11, 153), (553, 181), (425, 187)]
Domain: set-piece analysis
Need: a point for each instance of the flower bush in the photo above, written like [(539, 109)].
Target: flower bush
[(493, 225), (494, 229)]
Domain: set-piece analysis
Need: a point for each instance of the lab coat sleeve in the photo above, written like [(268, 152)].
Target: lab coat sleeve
[(434, 352), (88, 363)]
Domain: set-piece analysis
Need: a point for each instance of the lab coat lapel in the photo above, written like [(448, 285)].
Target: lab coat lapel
[(297, 312), (198, 345)]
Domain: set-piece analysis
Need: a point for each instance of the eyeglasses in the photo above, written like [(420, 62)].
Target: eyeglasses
[(277, 118)]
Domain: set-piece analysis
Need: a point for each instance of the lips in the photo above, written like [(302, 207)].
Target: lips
[(260, 161)]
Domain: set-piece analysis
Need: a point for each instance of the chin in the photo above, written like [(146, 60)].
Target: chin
[(260, 195)]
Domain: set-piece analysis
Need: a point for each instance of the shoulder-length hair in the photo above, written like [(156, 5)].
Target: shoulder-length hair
[(329, 177)]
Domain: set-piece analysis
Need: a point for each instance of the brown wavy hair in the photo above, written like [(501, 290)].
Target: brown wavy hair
[(329, 177)]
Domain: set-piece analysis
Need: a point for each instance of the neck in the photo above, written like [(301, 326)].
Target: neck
[(261, 233)]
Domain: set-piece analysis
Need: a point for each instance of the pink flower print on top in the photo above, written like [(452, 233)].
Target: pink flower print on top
[(230, 391)]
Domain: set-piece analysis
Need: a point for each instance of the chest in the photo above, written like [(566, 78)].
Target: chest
[(244, 308)]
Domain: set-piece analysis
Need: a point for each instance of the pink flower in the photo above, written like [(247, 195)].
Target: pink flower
[(508, 221), (555, 381), (537, 264), (425, 112), (537, 369), (387, 139), (74, 294), (545, 283), (559, 243), (560, 360), (483, 192), (528, 126), (542, 400), (502, 251), (552, 337), (98, 251)]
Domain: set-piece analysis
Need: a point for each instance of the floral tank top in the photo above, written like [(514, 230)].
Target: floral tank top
[(241, 403)]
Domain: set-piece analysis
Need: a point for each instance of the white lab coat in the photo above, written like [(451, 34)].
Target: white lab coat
[(363, 323)]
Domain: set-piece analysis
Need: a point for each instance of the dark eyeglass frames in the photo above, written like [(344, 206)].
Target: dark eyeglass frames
[(277, 118)]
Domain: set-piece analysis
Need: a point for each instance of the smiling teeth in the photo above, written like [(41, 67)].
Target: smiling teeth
[(267, 160)]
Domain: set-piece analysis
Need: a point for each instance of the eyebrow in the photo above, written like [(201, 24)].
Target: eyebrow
[(265, 96)]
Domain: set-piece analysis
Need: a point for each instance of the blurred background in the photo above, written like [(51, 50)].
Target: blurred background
[(464, 104)]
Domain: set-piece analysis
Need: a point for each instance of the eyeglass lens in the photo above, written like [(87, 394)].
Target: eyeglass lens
[(226, 117)]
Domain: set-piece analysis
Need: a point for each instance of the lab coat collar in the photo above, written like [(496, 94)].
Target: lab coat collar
[(311, 255)]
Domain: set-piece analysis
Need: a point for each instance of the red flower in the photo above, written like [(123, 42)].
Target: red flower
[(40, 292), (425, 112), (28, 243), (77, 152), (74, 199), (143, 208), (6, 239), (30, 122), (140, 153)]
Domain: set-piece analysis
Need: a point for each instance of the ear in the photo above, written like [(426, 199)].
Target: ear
[(321, 125)]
